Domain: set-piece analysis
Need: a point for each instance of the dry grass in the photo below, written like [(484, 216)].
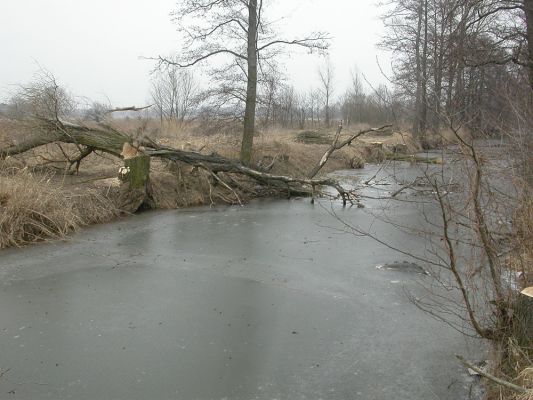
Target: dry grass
[(46, 203), (519, 363), (525, 379), (313, 137), (294, 156), (525, 396), (34, 208), (515, 352)]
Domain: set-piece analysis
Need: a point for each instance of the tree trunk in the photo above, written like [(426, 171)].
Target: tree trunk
[(438, 72), (251, 88), (418, 72), (528, 8), (135, 188), (423, 96), (139, 171), (49, 131), (327, 108), (451, 62), (459, 100)]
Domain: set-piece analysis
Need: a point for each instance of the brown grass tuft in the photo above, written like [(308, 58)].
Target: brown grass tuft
[(34, 208), (517, 353), (526, 396)]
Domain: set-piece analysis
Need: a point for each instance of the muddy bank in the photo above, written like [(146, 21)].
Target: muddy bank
[(66, 202)]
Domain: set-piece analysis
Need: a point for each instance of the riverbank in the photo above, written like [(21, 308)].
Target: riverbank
[(40, 201), (258, 302)]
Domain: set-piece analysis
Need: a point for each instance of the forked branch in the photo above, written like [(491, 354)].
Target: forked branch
[(336, 145)]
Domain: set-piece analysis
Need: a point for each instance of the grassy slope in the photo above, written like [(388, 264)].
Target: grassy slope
[(38, 201)]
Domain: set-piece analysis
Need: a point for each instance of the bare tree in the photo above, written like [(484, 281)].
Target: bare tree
[(451, 56), (354, 102), (174, 93), (325, 73), (302, 109), (157, 94), (271, 84), (238, 31), (286, 104), (463, 64), (43, 97), (314, 104), (421, 60), (96, 111)]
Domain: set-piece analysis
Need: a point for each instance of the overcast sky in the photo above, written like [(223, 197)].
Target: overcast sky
[(94, 47)]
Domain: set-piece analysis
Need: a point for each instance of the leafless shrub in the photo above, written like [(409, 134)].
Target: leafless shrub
[(96, 111), (43, 97)]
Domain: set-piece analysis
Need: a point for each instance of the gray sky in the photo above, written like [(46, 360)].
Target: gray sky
[(93, 47)]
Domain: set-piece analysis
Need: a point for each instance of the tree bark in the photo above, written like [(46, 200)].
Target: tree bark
[(139, 171), (418, 72), (135, 190), (528, 8), (45, 131), (438, 55), (423, 96), (251, 88)]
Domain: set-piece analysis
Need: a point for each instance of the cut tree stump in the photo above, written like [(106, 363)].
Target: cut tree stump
[(135, 191), (138, 175)]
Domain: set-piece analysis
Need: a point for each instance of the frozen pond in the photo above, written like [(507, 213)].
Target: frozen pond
[(266, 301)]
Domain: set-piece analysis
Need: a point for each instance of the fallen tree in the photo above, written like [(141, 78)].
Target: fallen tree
[(105, 138), (43, 131), (337, 145)]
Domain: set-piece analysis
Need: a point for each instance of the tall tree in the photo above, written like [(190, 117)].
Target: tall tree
[(528, 11), (325, 73), (451, 55), (238, 32), (174, 93)]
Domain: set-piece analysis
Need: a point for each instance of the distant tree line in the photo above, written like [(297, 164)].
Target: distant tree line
[(458, 59), (176, 96)]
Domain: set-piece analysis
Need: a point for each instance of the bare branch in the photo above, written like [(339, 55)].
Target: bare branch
[(131, 108), (166, 61), (319, 42), (336, 146), (501, 382)]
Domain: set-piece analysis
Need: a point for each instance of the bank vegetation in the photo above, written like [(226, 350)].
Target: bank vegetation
[(462, 72)]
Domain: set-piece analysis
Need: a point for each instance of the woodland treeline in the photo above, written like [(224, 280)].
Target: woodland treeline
[(461, 59), (459, 62), (458, 66), (177, 96)]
